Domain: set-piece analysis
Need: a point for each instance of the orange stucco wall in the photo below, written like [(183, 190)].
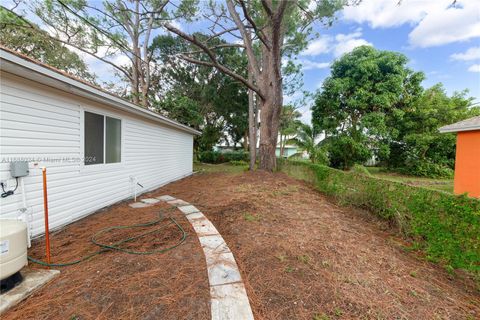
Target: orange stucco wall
[(467, 163)]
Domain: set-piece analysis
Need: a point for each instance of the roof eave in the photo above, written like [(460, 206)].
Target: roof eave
[(449, 130)]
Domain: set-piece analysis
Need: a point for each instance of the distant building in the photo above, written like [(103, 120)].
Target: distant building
[(467, 159), (288, 151)]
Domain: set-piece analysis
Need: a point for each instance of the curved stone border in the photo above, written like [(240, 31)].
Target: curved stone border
[(229, 299)]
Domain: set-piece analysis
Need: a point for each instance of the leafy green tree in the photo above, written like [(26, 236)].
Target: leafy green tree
[(181, 108), (365, 87), (418, 147), (23, 36), (268, 31), (199, 96), (111, 29)]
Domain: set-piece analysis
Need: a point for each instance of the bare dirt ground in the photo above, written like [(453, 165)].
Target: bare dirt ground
[(303, 257), (116, 285)]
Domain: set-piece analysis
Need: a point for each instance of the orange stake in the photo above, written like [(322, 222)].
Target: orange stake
[(45, 207)]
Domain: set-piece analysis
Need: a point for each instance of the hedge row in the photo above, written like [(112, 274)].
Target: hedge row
[(444, 226), (221, 157)]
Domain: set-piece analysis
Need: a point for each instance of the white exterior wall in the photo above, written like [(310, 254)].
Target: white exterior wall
[(42, 125)]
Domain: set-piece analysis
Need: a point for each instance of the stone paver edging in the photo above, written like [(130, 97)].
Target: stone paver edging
[(229, 300)]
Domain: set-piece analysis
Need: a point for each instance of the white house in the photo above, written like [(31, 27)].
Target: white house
[(96, 146)]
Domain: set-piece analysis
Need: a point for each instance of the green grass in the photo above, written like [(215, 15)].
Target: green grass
[(445, 185), (251, 217)]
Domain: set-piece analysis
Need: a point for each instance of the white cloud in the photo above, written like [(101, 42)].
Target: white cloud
[(340, 44), (349, 45), (310, 65), (121, 60), (389, 13), (318, 46), (436, 22), (347, 42), (448, 24), (474, 68), (471, 54)]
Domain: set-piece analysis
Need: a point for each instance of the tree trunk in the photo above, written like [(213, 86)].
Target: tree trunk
[(271, 104), (270, 120), (134, 83)]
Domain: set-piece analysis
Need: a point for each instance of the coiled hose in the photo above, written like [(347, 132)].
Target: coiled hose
[(117, 245)]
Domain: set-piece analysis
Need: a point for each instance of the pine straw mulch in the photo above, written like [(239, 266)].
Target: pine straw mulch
[(116, 285), (303, 257)]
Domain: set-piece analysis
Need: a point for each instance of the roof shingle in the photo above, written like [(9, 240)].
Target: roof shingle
[(464, 125)]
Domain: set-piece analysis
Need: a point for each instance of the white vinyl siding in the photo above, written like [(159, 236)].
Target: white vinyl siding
[(45, 126)]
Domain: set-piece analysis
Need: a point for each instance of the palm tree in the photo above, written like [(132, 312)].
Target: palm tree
[(289, 123), (306, 139)]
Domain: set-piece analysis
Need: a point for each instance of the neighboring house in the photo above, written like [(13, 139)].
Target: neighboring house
[(467, 159), (288, 151), (95, 145)]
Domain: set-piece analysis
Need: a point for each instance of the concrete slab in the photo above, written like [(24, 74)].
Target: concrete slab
[(166, 198), (150, 200), (139, 205), (32, 281), (188, 209), (213, 245), (178, 203), (230, 302), (222, 269)]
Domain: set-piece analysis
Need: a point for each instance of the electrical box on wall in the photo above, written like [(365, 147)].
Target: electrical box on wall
[(19, 169)]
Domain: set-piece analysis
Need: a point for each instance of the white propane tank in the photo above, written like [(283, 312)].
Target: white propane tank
[(13, 247)]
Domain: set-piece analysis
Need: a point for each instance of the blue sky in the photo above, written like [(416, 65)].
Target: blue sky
[(440, 40)]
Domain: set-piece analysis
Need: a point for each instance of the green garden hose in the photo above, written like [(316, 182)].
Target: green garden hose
[(116, 246)]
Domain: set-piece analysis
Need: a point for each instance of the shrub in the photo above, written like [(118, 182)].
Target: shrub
[(236, 156), (446, 227), (358, 168), (209, 157), (344, 151), (221, 157), (427, 169)]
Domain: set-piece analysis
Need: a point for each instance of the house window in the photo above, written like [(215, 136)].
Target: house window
[(102, 139)]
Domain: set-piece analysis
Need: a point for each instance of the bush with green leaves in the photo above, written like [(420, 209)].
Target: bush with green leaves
[(444, 226), (427, 169), (344, 151), (358, 168), (236, 156), (209, 156), (222, 157)]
